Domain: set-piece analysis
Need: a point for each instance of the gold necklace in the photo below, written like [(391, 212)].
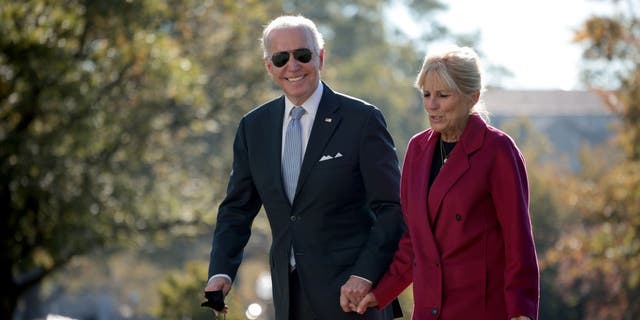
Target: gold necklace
[(443, 156)]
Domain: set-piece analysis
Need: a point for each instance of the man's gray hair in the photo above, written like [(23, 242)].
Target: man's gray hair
[(314, 37)]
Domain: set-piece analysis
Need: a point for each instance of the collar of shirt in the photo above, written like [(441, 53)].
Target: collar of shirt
[(311, 108)]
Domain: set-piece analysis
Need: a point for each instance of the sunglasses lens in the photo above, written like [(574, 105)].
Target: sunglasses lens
[(302, 55), (280, 59)]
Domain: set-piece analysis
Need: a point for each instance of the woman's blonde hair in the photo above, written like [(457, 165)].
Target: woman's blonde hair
[(458, 68)]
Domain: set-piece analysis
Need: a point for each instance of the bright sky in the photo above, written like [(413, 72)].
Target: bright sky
[(531, 38)]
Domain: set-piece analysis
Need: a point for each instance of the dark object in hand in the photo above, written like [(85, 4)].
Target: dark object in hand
[(215, 300)]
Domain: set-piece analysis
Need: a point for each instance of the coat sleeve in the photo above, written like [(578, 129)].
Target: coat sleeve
[(400, 273), (235, 213), (510, 192), (381, 176)]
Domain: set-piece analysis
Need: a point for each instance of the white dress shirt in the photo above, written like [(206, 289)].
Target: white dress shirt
[(306, 121)]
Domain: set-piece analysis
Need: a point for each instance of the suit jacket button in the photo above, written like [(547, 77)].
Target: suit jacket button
[(293, 218), (434, 311), (458, 217)]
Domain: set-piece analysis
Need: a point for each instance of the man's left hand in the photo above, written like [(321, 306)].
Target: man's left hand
[(352, 292)]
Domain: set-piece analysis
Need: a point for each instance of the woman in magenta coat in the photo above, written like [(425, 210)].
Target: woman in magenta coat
[(469, 248)]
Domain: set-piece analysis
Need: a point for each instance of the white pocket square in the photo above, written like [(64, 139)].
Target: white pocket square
[(328, 157), (324, 158)]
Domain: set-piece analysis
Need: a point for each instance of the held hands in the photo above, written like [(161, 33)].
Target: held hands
[(355, 295), (368, 301)]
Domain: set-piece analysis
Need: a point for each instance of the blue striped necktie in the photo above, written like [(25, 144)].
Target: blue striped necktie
[(292, 153)]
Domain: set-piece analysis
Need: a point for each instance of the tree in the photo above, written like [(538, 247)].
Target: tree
[(98, 103), (180, 284), (598, 259)]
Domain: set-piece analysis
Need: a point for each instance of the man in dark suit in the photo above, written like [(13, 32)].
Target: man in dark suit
[(324, 167)]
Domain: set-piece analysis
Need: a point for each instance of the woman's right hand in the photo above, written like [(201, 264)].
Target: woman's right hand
[(368, 301)]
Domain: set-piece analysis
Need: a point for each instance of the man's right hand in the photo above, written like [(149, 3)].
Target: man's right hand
[(219, 283)]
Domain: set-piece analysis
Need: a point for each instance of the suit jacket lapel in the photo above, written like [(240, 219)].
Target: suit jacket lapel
[(324, 125), (419, 181), (422, 175), (456, 166), (458, 163), (273, 125)]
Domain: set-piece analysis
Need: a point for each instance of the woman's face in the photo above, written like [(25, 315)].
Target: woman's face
[(447, 109)]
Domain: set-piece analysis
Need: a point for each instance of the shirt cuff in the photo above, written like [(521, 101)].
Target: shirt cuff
[(365, 279), (219, 275)]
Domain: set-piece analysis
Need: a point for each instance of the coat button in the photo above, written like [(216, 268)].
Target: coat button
[(293, 218), (458, 217), (437, 264), (434, 311)]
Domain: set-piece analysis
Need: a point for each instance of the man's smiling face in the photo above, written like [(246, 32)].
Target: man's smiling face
[(297, 79)]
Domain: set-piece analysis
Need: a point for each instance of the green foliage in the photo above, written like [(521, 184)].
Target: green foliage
[(597, 257), (612, 48), (106, 128), (181, 293)]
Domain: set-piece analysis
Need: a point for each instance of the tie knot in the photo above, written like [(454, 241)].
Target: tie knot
[(297, 112)]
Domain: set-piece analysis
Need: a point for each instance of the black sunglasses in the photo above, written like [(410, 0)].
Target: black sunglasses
[(279, 59)]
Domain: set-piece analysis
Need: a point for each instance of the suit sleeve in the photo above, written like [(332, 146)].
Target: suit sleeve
[(381, 175), (509, 188), (235, 213)]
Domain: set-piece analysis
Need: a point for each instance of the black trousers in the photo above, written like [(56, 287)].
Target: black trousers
[(300, 309)]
